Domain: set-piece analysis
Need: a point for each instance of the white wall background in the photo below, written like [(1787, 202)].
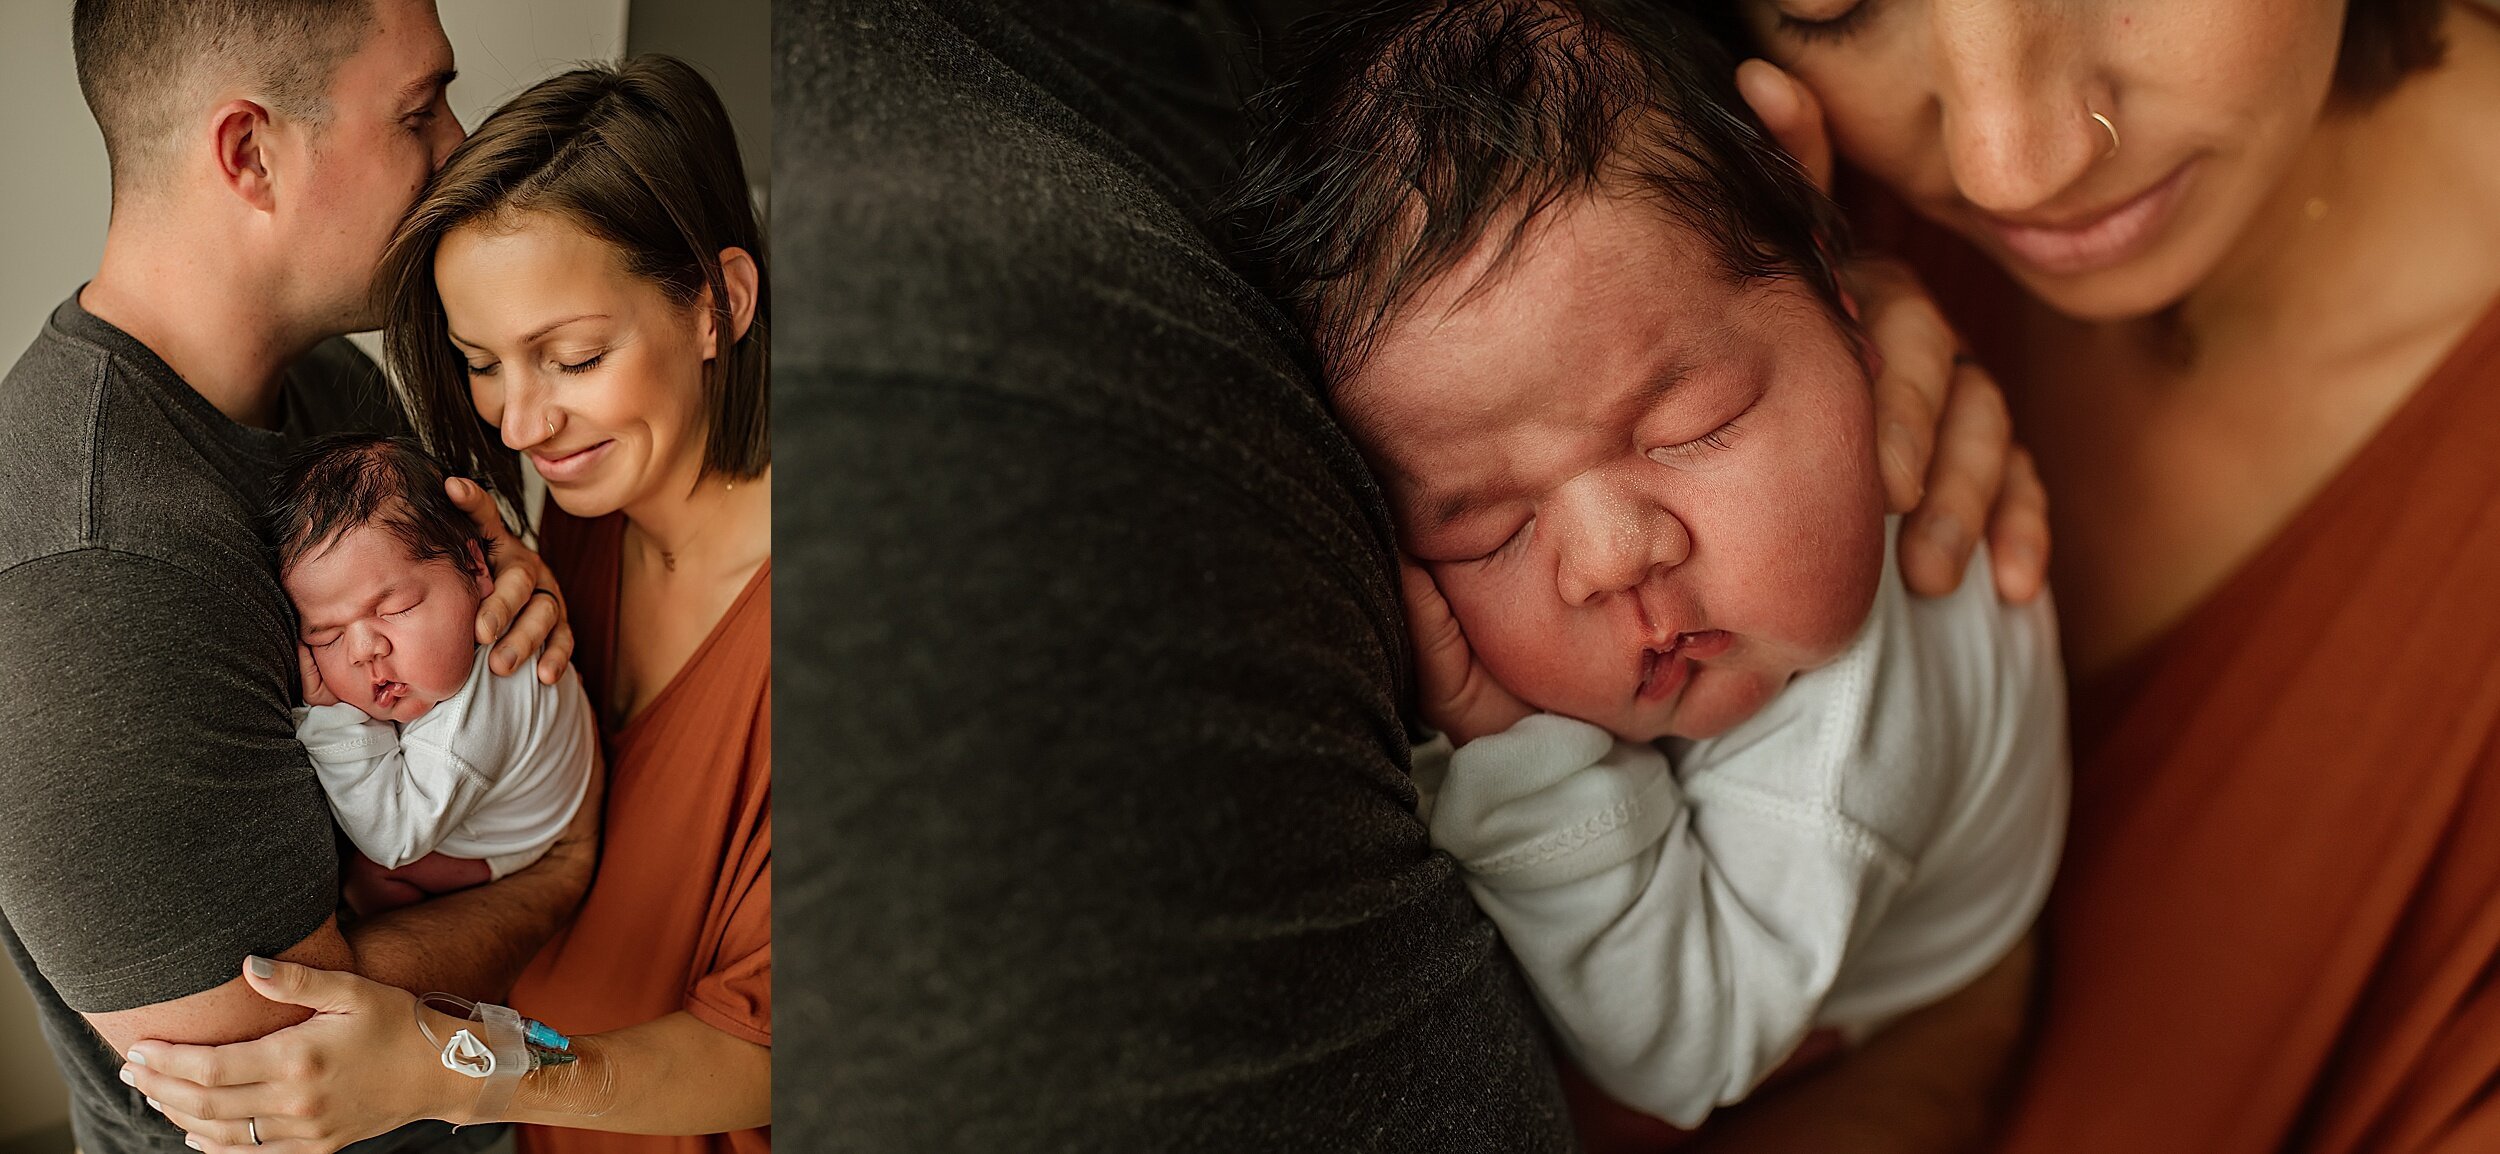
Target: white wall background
[(54, 197)]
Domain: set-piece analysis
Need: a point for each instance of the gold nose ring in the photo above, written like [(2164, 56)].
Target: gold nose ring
[(551, 424), (2112, 130)]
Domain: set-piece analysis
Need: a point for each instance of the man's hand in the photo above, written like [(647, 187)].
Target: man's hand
[(525, 609), (1941, 429), (1459, 696), (316, 691)]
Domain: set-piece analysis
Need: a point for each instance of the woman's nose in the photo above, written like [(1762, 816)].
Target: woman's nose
[(2016, 101), (524, 421), (1611, 542)]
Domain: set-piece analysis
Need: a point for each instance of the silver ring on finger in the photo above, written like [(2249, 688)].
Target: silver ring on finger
[(252, 1126)]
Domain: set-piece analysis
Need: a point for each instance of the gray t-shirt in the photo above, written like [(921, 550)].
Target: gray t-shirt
[(160, 820)]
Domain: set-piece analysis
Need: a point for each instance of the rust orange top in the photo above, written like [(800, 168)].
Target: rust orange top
[(2279, 920), (680, 914)]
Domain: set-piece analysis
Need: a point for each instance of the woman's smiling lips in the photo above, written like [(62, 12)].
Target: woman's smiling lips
[(2094, 241), (569, 466)]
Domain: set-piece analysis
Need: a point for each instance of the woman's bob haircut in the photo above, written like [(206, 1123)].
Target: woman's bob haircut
[(641, 156)]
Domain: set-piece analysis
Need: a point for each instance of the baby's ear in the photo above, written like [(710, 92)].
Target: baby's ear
[(479, 570)]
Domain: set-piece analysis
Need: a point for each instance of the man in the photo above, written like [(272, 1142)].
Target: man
[(162, 823), (1110, 840)]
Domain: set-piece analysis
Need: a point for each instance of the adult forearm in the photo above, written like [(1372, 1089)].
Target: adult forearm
[(670, 1075), (474, 942), (1931, 1083)]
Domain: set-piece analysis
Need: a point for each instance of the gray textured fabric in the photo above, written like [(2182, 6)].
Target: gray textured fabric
[(160, 821), (1097, 832)]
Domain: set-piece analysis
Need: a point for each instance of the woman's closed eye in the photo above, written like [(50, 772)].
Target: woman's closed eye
[(484, 370), (581, 366), (1826, 24)]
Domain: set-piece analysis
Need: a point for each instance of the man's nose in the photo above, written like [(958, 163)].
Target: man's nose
[(2016, 100), (447, 136), (1610, 540)]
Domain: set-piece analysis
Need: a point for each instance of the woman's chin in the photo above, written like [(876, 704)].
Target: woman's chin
[(586, 502), (2112, 296)]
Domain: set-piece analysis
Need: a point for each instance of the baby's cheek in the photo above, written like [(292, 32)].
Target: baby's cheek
[(334, 667)]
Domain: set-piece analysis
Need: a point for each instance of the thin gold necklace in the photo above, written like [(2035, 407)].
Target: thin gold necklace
[(668, 559)]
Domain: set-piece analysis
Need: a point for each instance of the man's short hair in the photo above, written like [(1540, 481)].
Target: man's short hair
[(141, 63), (348, 479), (1415, 131)]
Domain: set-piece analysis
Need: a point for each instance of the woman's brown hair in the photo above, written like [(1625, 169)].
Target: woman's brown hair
[(641, 156)]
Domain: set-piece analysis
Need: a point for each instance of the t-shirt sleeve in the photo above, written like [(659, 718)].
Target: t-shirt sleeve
[(734, 994), (161, 820)]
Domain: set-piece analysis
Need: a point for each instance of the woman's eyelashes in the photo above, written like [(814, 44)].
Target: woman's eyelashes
[(561, 365)]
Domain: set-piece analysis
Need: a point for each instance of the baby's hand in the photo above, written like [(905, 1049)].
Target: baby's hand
[(316, 691), (1459, 696)]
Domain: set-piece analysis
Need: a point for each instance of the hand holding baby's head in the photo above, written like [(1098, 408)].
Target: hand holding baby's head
[(386, 573), (1581, 318)]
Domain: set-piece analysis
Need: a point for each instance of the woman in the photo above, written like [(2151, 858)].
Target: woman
[(584, 282), (2236, 264)]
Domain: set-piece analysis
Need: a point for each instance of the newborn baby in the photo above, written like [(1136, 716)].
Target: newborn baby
[(442, 773), (1719, 781)]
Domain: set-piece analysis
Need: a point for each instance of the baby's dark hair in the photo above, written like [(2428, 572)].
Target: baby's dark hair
[(1412, 130), (339, 482)]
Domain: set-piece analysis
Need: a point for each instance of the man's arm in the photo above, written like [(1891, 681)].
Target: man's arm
[(163, 824), (227, 1013), (475, 942)]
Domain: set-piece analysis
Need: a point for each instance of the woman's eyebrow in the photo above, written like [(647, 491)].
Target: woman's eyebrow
[(551, 326), (530, 336)]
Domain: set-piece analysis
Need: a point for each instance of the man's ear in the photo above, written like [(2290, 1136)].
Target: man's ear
[(241, 137), (739, 274)]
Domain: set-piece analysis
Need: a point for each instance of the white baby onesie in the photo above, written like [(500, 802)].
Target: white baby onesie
[(492, 772), (1879, 835)]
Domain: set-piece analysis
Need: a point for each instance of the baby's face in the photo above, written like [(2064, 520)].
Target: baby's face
[(391, 635), (1648, 491)]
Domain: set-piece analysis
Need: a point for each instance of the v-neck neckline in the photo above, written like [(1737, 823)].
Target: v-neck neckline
[(615, 638)]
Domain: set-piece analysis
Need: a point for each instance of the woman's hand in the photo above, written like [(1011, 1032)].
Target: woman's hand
[(1459, 696), (525, 609), (358, 1067), (1945, 442)]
